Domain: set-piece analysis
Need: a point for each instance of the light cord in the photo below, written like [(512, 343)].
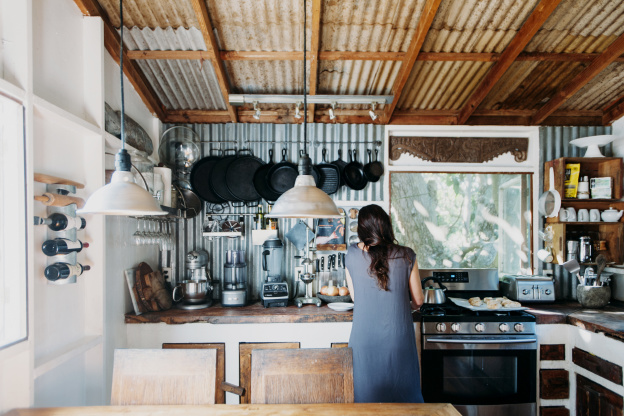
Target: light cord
[(305, 96), (121, 75)]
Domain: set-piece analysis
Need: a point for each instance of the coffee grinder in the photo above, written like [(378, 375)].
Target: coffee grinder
[(234, 279), (275, 289)]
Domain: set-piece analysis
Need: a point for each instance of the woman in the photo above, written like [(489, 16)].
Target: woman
[(381, 276)]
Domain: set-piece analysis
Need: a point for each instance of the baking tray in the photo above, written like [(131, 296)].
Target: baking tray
[(483, 308)]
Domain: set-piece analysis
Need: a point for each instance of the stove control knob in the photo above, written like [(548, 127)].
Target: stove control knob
[(441, 327), (519, 327), (547, 291), (455, 327), (503, 327), (479, 327), (525, 291)]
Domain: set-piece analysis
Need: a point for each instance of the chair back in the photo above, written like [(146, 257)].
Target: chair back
[(163, 377), (296, 376)]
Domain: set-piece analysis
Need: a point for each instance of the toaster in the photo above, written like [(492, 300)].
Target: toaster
[(527, 289)]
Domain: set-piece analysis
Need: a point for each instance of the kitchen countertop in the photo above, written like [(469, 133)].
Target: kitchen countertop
[(609, 320)]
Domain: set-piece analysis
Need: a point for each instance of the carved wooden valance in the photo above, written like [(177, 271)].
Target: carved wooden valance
[(459, 149)]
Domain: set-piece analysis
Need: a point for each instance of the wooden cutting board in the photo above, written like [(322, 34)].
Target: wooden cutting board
[(55, 180)]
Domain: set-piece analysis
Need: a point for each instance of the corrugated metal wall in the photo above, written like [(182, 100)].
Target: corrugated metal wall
[(555, 143), (260, 138)]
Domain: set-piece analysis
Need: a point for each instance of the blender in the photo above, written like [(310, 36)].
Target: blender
[(275, 289), (234, 279)]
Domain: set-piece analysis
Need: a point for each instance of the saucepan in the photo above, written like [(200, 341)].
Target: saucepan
[(434, 295)]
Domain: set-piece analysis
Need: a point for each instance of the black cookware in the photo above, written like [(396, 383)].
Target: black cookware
[(200, 179), (354, 173), (341, 165), (217, 179), (329, 181), (281, 177), (260, 180), (239, 176), (373, 169)]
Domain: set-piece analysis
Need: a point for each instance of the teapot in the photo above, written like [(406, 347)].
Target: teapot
[(611, 215), (434, 295)]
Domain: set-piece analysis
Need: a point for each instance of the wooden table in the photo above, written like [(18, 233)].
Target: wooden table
[(373, 409)]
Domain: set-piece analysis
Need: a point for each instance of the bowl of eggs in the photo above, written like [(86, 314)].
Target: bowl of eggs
[(330, 294)]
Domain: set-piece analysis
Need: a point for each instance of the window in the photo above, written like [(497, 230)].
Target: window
[(13, 306), (464, 220)]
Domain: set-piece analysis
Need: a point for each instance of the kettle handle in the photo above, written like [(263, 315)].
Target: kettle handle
[(265, 253), (435, 279)]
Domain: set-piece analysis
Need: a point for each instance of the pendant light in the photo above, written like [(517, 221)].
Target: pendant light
[(304, 200), (122, 196)]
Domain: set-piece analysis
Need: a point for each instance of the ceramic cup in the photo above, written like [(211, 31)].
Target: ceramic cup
[(583, 215), (567, 215), (583, 190), (545, 255), (594, 215)]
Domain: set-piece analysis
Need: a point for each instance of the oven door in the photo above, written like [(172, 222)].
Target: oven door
[(479, 370)]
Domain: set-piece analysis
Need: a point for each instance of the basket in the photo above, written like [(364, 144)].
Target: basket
[(332, 299)]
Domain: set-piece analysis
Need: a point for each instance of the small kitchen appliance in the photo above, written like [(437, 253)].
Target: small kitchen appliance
[(535, 289), (572, 250), (234, 279), (585, 250), (275, 290), (196, 262), (193, 294)]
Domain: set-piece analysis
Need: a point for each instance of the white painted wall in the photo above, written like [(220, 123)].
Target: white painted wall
[(618, 130)]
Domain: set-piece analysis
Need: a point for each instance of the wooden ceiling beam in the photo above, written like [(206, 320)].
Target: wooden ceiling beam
[(426, 18), (315, 43), (613, 111), (201, 13), (131, 69), (540, 14), (600, 63)]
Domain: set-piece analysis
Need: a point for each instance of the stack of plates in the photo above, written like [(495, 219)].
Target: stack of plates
[(340, 306)]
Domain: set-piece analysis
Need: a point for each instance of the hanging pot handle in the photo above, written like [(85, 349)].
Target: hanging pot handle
[(370, 155), (284, 152)]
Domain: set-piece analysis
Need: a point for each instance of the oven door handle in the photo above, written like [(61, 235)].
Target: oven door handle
[(482, 341)]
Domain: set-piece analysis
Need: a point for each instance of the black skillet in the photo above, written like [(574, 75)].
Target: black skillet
[(200, 179), (239, 176), (330, 176), (373, 169), (354, 173), (217, 179), (341, 165), (281, 177), (260, 180)]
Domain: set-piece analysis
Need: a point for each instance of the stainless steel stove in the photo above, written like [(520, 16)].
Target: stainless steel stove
[(484, 363)]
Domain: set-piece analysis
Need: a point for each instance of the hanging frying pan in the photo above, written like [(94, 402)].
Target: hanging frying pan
[(550, 201), (281, 177), (239, 176), (373, 169), (341, 165), (217, 179), (200, 179), (330, 176), (354, 173), (260, 180)]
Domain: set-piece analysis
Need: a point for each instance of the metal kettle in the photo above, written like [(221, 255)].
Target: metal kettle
[(434, 295)]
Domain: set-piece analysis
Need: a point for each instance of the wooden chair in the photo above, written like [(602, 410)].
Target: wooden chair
[(161, 377), (297, 376)]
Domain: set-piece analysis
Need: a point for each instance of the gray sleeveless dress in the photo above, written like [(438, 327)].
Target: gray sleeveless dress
[(385, 359)]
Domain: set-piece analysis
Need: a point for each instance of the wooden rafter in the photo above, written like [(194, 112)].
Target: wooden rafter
[(613, 111), (315, 42), (201, 13), (540, 14), (131, 70), (426, 18), (605, 59)]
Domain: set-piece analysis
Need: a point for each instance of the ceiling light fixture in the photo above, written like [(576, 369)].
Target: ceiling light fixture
[(332, 115), (242, 99), (304, 200), (122, 196), (371, 113), (257, 113), (297, 111)]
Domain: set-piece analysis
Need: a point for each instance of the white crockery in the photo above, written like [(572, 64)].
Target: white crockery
[(583, 215), (594, 215), (611, 215), (340, 306)]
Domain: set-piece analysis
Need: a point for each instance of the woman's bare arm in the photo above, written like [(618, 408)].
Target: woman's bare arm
[(418, 297), (350, 284)]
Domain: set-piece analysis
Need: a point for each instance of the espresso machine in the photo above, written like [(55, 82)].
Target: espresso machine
[(275, 289), (234, 279)]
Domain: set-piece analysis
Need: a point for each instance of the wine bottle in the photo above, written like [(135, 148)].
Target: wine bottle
[(60, 222), (58, 271), (260, 218), (62, 246)]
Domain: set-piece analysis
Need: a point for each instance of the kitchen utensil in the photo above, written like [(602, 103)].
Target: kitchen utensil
[(611, 215), (353, 226), (567, 215), (354, 239), (464, 303), (594, 215), (300, 235), (178, 148), (550, 201), (239, 176), (353, 213), (341, 271), (58, 200), (434, 295), (218, 176), (231, 226), (572, 250), (334, 271), (373, 169), (260, 180), (583, 215), (189, 203), (585, 249), (196, 262), (354, 173), (545, 255), (200, 179), (592, 143), (341, 306), (329, 181), (593, 296), (55, 180), (573, 267), (601, 263), (281, 177), (193, 291), (340, 164)]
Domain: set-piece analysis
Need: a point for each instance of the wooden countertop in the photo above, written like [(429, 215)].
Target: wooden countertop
[(373, 409)]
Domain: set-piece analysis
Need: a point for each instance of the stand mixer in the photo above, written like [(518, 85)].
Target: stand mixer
[(275, 289)]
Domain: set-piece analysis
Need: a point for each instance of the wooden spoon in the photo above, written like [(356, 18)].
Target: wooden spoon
[(601, 263)]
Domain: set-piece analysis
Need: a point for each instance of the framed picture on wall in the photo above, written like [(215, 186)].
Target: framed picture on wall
[(330, 234)]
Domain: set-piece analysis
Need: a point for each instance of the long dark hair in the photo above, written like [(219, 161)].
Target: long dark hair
[(375, 231)]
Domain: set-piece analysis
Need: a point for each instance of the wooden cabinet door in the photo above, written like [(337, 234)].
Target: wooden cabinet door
[(594, 400), (245, 350)]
